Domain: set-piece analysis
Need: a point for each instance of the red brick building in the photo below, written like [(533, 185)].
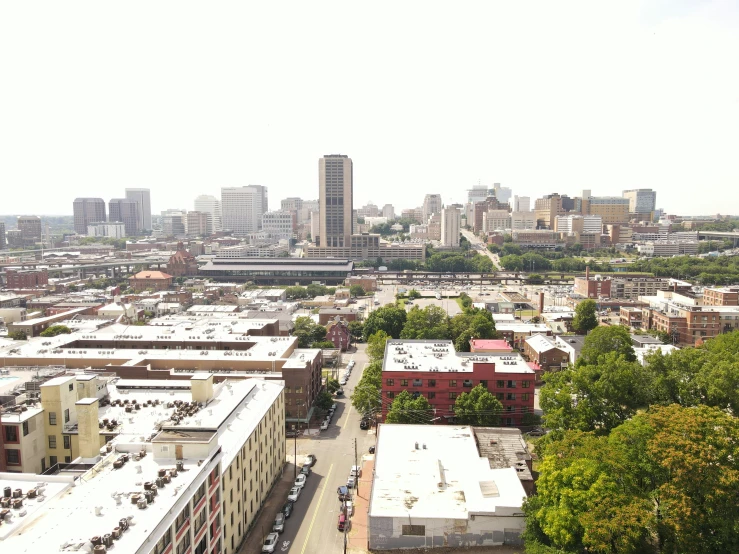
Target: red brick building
[(721, 296), (150, 280), (338, 333), (593, 288), (26, 278), (182, 263), (433, 369)]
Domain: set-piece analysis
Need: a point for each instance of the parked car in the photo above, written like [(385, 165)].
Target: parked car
[(342, 522), (349, 508), (324, 425), (287, 509), (340, 392), (305, 470), (333, 406), (270, 542), (310, 460), (343, 493), (300, 481), (537, 432), (363, 425), (356, 471), (294, 494), (371, 449), (351, 482), (342, 382), (279, 525)]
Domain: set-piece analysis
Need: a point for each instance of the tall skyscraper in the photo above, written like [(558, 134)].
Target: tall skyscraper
[(242, 208), (210, 205), (174, 223), (2, 236), (30, 228), (641, 201), (87, 211), (388, 211), (125, 211), (335, 197), (521, 204), (143, 198), (450, 227), (503, 194), (431, 206)]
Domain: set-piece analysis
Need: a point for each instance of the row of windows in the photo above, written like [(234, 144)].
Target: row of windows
[(467, 383), (453, 395)]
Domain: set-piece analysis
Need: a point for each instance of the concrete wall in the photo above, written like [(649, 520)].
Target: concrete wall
[(386, 532)]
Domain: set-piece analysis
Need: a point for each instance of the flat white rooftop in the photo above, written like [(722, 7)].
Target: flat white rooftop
[(439, 355), (442, 477)]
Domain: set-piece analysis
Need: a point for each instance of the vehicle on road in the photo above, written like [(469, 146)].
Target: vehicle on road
[(310, 460), (305, 470), (270, 542), (351, 482), (324, 425), (340, 392), (356, 471), (279, 525), (300, 481), (342, 382), (349, 508), (363, 425), (537, 432), (294, 494), (342, 522), (287, 509), (333, 406), (371, 449), (343, 493)]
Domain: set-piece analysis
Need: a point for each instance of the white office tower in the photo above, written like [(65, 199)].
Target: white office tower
[(242, 208), (142, 197), (521, 204), (450, 227), (209, 204)]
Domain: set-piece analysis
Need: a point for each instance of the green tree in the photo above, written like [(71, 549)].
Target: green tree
[(407, 409), (603, 340), (356, 290), (471, 324), (324, 400), (478, 407), (356, 329), (390, 319), (586, 317), (323, 344), (55, 330), (17, 335), (376, 346), (366, 397), (332, 385), (308, 331), (413, 294), (430, 323), (296, 293)]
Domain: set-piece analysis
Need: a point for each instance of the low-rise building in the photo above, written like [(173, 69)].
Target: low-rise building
[(329, 314), (432, 487), (337, 332), (26, 278), (434, 370), (517, 332), (150, 280), (545, 352), (721, 296)]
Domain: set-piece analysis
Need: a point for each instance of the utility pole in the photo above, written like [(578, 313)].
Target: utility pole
[(356, 465)]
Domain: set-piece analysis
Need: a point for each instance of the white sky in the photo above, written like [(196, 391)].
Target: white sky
[(186, 97)]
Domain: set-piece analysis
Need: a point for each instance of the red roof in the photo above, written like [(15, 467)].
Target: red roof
[(489, 344), (151, 275)]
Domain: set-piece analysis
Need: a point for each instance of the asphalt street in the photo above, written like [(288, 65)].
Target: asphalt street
[(312, 526)]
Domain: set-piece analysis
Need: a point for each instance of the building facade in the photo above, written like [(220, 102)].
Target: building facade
[(243, 207), (611, 209), (125, 211), (281, 224), (142, 197), (335, 197), (114, 230), (450, 227), (30, 228), (86, 212), (209, 204), (26, 278), (642, 202)]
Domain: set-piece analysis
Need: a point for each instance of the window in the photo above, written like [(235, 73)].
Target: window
[(199, 494), (11, 433), (499, 395), (511, 384), (182, 518), (484, 384), (13, 457), (52, 441), (414, 530), (390, 394), (431, 395), (71, 387), (184, 544), (525, 396), (432, 382), (390, 382), (452, 382), (404, 382), (67, 459), (163, 543), (52, 460), (299, 390), (52, 418), (66, 416), (467, 383), (25, 428), (199, 521), (417, 382), (500, 384), (511, 396), (67, 442), (452, 396), (525, 384)]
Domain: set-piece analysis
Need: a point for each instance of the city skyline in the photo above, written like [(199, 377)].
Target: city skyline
[(648, 103)]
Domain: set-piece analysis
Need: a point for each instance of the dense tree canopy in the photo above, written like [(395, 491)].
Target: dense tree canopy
[(603, 340), (478, 407), (586, 317), (376, 345), (390, 319), (356, 290), (471, 324), (366, 397), (308, 331), (721, 270), (431, 323), (55, 330), (407, 409)]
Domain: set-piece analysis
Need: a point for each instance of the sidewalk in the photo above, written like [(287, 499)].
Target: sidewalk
[(268, 511), (359, 533)]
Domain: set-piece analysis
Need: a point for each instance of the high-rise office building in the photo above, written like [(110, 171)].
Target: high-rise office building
[(174, 223), (143, 198), (87, 211), (613, 209), (450, 227), (125, 211), (209, 204), (30, 228), (335, 197), (431, 206), (503, 194), (280, 224), (547, 209), (199, 224), (388, 211), (2, 236), (521, 204), (242, 208), (641, 201)]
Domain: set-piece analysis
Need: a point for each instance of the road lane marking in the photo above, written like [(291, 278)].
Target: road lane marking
[(313, 519)]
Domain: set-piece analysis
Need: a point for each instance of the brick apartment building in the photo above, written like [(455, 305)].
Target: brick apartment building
[(433, 369), (26, 278), (723, 296)]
